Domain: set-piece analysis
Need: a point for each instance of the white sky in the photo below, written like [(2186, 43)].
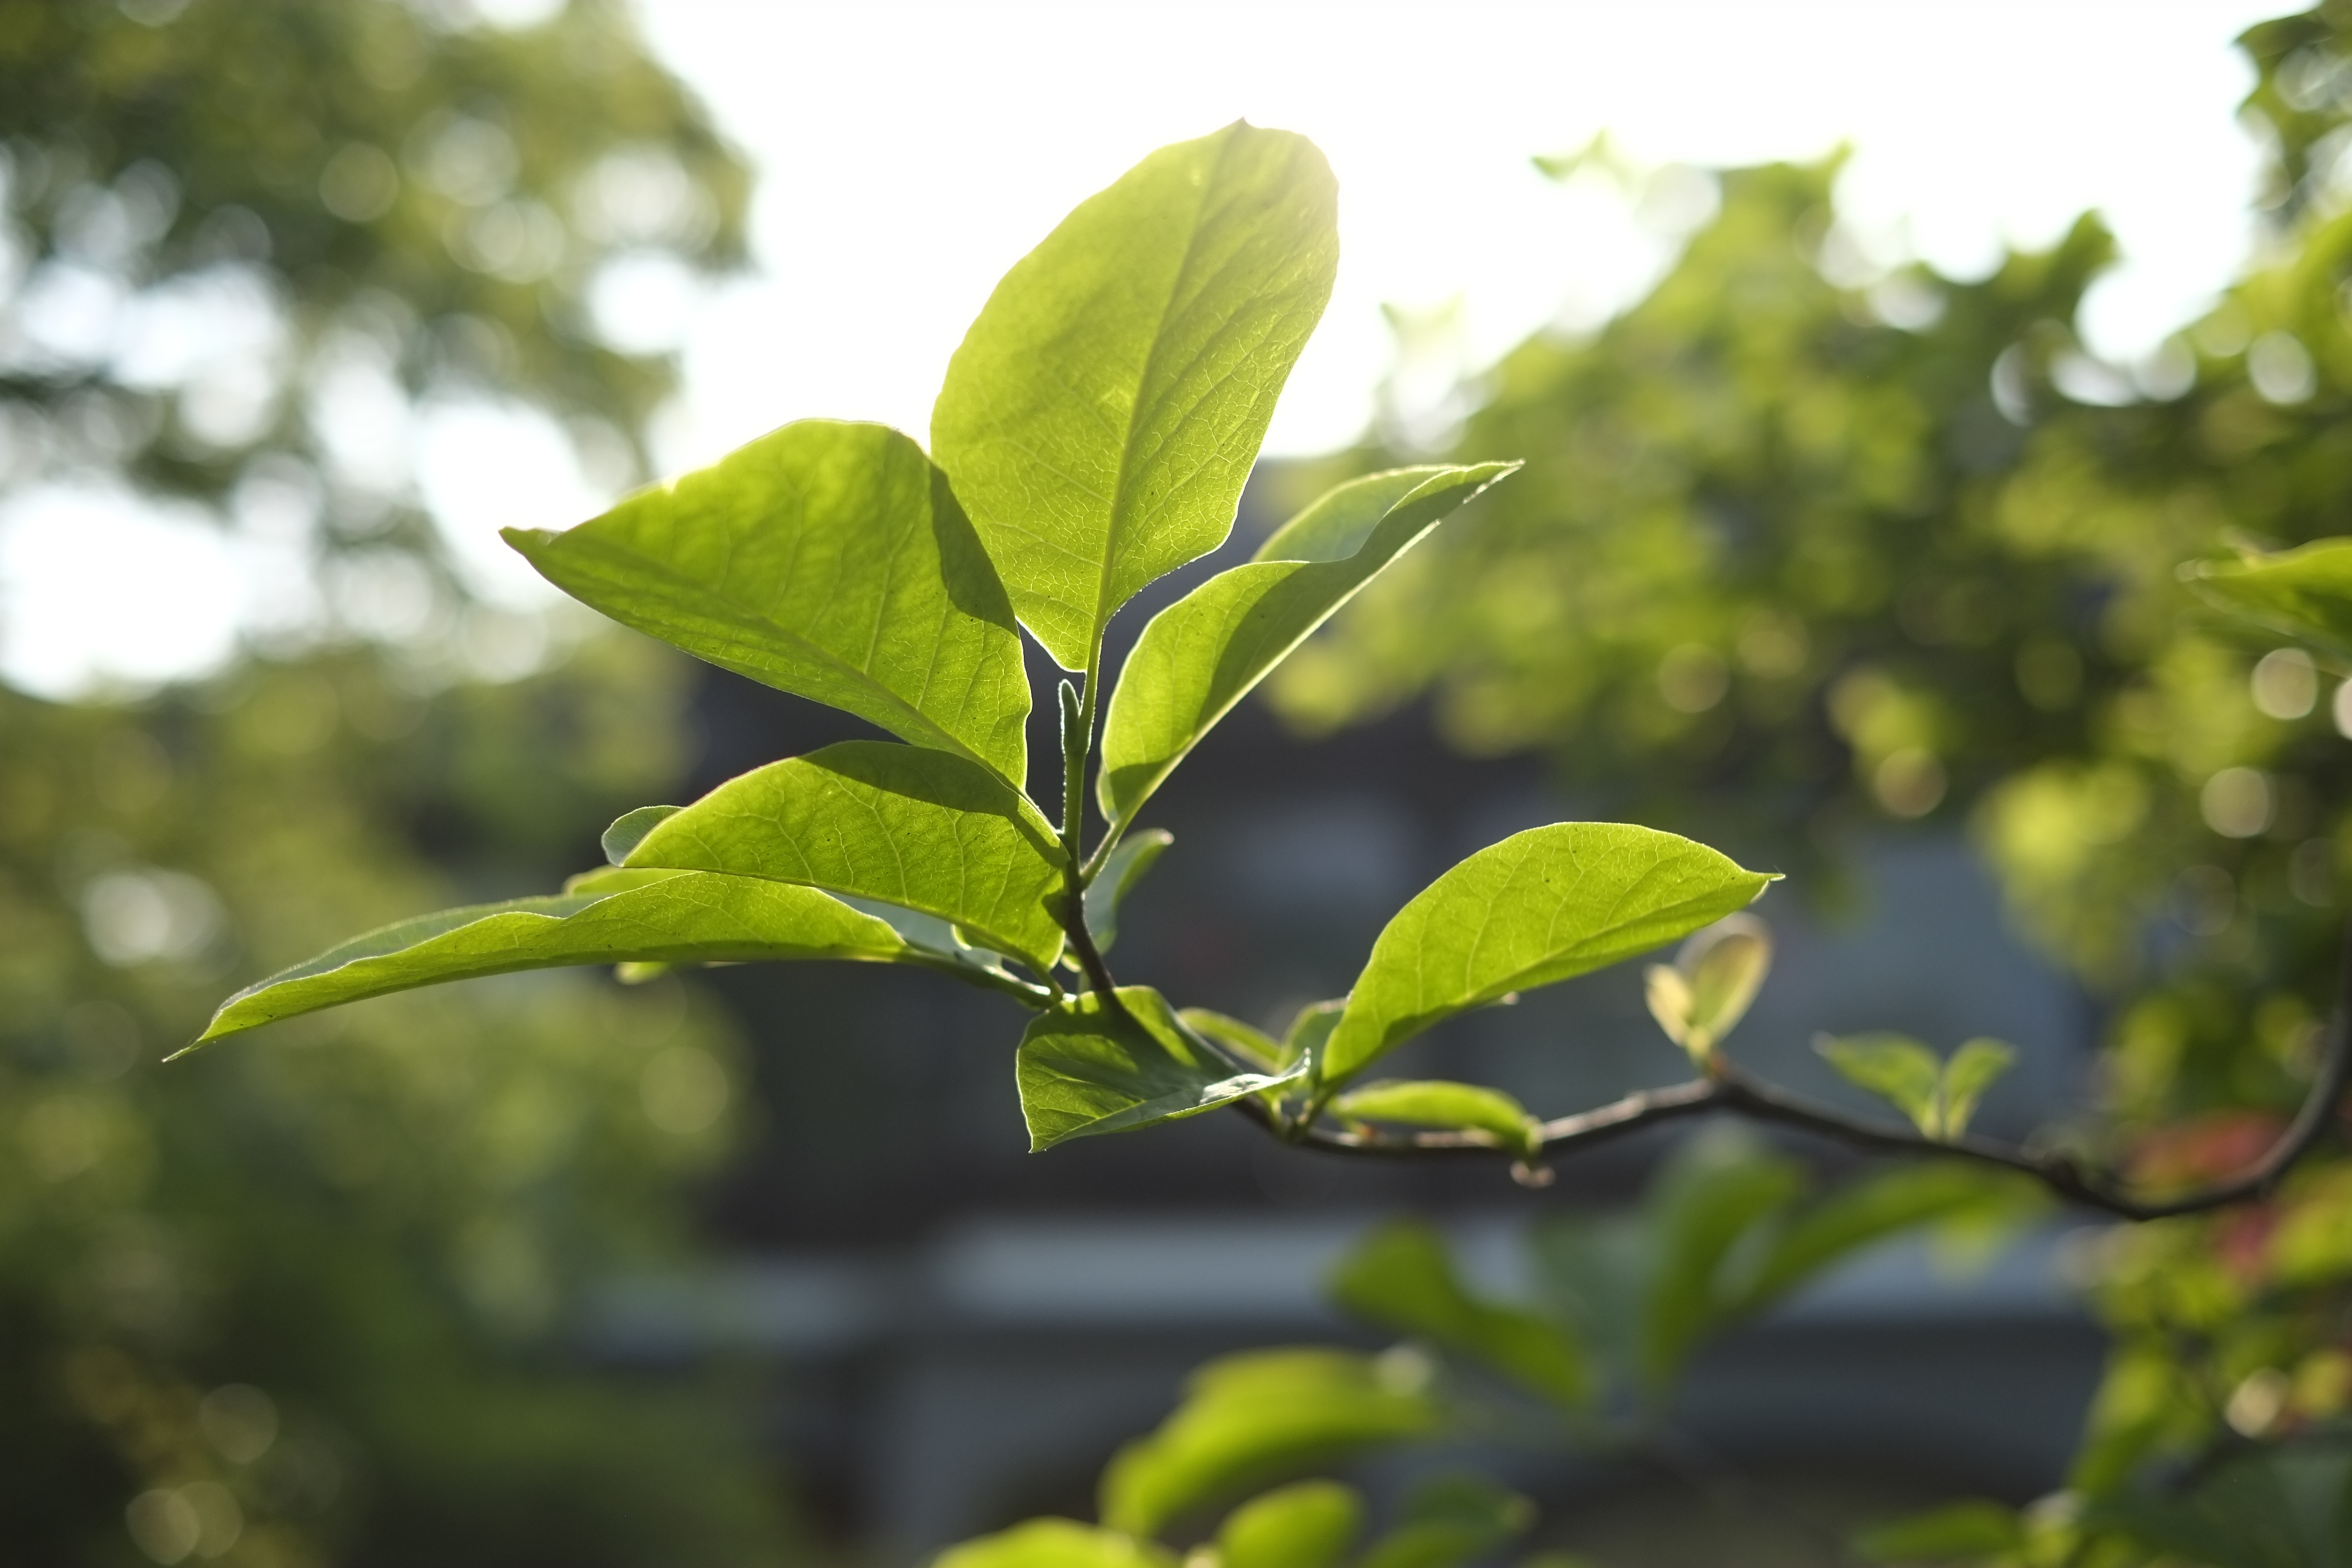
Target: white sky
[(908, 154)]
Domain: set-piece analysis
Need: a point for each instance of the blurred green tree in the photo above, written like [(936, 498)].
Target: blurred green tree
[(316, 1307), (1828, 550)]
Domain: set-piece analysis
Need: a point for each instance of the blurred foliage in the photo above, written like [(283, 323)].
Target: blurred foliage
[(323, 1302), (338, 1279), (1809, 550), (240, 241)]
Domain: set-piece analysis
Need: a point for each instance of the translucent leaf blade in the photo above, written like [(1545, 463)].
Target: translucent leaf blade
[(1437, 1102), (1126, 866), (678, 918), (1203, 654), (826, 559), (1894, 1068), (1103, 411), (1402, 1277), (898, 825), (1084, 1070), (1974, 1069), (1248, 1419), (2306, 592), (1056, 1543), (1307, 1524), (1542, 906)]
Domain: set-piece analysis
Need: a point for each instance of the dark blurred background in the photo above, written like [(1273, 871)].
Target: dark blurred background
[(1866, 579)]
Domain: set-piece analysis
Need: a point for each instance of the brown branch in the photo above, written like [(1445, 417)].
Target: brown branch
[(1734, 1090)]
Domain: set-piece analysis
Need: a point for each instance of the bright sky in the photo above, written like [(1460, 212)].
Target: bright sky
[(908, 153)]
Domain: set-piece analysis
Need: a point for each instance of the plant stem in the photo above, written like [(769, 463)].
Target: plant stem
[(1077, 739)]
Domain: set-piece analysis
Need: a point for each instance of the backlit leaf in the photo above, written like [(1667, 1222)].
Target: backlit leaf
[(1541, 906), (1056, 1543), (1972, 1070), (1084, 1069), (2306, 592), (1449, 1520), (671, 917), (1246, 1419), (1401, 1277), (1307, 1524), (1464, 1107), (1896, 1067), (1203, 654), (825, 559), (902, 825), (1705, 993), (1102, 414), (1242, 1040), (1122, 870)]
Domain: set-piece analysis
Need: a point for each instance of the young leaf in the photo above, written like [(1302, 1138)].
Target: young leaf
[(1248, 1419), (1971, 1071), (671, 917), (1896, 1067), (1126, 866), (1469, 1107), (1203, 654), (1712, 979), (825, 559), (2306, 592), (1102, 412), (1401, 1277), (1307, 1524), (1237, 1039), (1544, 905), (1056, 1543), (629, 830), (1449, 1520), (1084, 1070), (1311, 1030), (898, 824)]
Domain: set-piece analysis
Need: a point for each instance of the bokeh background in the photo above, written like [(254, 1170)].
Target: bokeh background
[(1875, 367)]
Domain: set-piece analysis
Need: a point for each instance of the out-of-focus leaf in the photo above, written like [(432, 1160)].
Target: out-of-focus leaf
[(1972, 1070), (1541, 906), (2306, 592), (825, 559), (629, 830), (1248, 1419), (1307, 1524), (1084, 1069), (1871, 1210), (1706, 992), (1311, 1030), (1955, 1533), (1699, 1211), (1203, 653), (676, 917), (902, 825), (1437, 1102), (2282, 1507), (1056, 1543), (1896, 1067), (1122, 870), (1401, 1277), (1102, 414), (1449, 1520)]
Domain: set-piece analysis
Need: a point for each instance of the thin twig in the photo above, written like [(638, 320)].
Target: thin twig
[(1732, 1090)]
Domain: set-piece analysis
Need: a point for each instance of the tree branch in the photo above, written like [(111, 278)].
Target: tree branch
[(1731, 1089)]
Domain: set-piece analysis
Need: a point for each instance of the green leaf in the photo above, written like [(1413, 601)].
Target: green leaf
[(1238, 1039), (1466, 1107), (918, 828), (1122, 870), (1084, 1069), (1203, 654), (1247, 1419), (1056, 1543), (1541, 906), (671, 917), (1715, 1194), (1712, 979), (1970, 1072), (1449, 1520), (825, 559), (629, 830), (1896, 1067), (1868, 1211), (1102, 414), (1964, 1532), (1307, 1524), (1401, 1277), (2306, 592), (1311, 1030)]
